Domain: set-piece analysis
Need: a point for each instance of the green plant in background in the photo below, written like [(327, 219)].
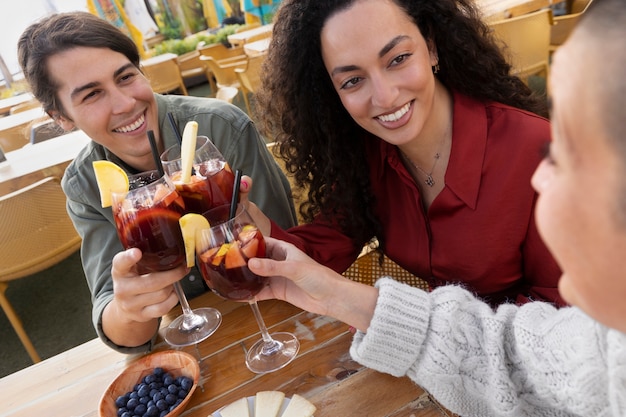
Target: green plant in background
[(190, 43)]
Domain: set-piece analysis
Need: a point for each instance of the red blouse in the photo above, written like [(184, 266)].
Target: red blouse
[(480, 230)]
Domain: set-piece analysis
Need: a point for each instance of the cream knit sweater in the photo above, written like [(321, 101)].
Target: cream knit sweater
[(532, 360)]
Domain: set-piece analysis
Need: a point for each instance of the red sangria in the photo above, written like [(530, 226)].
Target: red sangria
[(211, 183), (223, 251), (146, 217), (225, 266)]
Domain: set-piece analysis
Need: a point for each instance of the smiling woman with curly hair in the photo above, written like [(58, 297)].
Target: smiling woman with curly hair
[(402, 120)]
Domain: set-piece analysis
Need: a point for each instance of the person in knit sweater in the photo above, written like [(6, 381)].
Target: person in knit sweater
[(530, 360)]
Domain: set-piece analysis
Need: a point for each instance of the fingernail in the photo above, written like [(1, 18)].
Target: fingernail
[(244, 184)]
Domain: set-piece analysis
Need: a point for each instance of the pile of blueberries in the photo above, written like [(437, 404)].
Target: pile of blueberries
[(157, 394)]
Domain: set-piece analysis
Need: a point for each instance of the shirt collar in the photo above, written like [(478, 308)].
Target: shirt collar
[(469, 143)]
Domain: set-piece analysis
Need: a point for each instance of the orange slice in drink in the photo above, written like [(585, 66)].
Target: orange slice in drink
[(111, 179), (188, 150), (189, 224)]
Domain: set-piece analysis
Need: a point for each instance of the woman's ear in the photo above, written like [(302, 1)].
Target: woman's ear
[(432, 52)]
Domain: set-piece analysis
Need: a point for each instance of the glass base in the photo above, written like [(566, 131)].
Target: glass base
[(177, 335), (263, 358)]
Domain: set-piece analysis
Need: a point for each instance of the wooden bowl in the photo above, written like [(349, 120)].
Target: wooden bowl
[(175, 362)]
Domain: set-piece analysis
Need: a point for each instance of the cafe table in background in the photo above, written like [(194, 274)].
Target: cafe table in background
[(241, 38), (72, 383), (15, 128), (7, 103), (29, 164)]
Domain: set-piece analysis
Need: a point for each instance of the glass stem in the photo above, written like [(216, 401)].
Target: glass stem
[(270, 346), (190, 319)]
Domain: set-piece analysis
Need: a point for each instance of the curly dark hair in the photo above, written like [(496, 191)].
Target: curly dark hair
[(321, 144), (58, 33)]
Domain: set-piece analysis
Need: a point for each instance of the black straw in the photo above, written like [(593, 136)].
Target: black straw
[(155, 153), (233, 203), (170, 117)]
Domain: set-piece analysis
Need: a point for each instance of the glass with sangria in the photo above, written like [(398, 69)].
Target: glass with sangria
[(147, 217), (223, 251)]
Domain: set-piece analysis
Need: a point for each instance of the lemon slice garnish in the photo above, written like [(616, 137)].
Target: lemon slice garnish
[(189, 224), (111, 179), (188, 150)]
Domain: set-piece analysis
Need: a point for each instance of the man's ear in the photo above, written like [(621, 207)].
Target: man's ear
[(63, 122)]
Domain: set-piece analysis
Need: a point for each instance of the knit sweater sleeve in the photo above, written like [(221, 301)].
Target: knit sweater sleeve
[(532, 360)]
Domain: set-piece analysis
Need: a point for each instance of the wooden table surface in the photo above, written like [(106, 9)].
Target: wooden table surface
[(241, 38), (71, 383), (257, 47), (7, 103), (31, 163)]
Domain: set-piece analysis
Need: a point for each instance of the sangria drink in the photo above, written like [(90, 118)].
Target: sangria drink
[(223, 251), (212, 180), (146, 217)]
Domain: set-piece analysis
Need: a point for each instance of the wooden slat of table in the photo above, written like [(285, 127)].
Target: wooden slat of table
[(7, 103), (31, 163)]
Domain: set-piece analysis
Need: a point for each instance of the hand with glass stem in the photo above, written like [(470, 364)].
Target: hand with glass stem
[(296, 278), (132, 317)]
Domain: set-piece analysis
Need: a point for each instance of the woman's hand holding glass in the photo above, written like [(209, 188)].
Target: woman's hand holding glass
[(296, 278)]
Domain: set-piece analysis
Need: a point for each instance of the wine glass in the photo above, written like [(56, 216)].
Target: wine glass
[(146, 217), (223, 252), (212, 178)]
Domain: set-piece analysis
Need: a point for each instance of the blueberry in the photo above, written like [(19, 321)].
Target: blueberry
[(162, 405), (132, 403), (186, 383), (140, 409), (172, 389), (143, 390), (121, 411), (157, 396), (121, 400), (171, 398), (168, 380), (152, 411)]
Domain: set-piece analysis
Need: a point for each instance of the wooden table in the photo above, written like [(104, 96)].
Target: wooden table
[(257, 48), (241, 38), (71, 383), (15, 128), (31, 163), (7, 103)]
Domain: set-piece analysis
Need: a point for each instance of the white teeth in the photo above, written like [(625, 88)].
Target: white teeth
[(132, 126), (395, 116)]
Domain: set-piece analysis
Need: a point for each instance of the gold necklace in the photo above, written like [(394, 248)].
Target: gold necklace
[(429, 175)]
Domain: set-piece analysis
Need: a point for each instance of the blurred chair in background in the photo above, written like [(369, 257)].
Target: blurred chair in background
[(224, 70), (164, 76), (250, 79), (44, 130), (35, 234), (526, 42), (191, 68), (564, 24)]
